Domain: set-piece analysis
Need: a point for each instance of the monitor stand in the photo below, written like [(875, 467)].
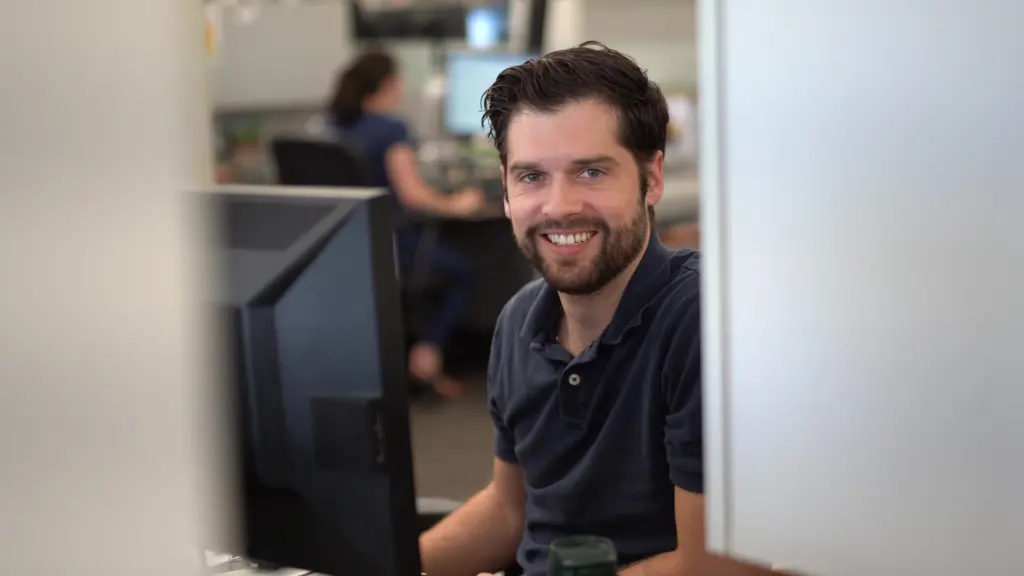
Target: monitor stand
[(216, 563), (226, 565)]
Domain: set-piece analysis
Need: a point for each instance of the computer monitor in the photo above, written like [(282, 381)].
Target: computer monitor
[(316, 365), (487, 26), (469, 76), (438, 20)]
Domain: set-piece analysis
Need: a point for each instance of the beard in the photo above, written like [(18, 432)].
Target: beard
[(579, 276)]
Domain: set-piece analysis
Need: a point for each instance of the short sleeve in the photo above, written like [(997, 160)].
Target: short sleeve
[(682, 386), (398, 133), (497, 389), (504, 444)]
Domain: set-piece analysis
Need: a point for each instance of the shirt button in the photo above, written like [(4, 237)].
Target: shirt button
[(574, 379)]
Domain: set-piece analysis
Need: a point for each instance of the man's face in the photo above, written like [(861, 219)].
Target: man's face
[(575, 195)]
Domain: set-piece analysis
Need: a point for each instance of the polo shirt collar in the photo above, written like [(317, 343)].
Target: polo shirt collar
[(651, 273)]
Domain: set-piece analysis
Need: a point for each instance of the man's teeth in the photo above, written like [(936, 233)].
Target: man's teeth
[(569, 239)]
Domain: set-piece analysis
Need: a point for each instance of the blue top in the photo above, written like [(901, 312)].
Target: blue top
[(604, 438), (374, 134)]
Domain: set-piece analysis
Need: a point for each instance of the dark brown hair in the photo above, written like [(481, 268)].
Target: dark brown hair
[(363, 78), (588, 71)]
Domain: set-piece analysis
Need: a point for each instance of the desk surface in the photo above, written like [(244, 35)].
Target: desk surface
[(300, 191), (492, 211), (282, 572)]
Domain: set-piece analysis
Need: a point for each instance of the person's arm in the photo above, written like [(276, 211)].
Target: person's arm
[(483, 534), (413, 192), (684, 447), (691, 558)]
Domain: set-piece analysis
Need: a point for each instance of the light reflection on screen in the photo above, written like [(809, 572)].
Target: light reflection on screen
[(469, 75), (486, 26)]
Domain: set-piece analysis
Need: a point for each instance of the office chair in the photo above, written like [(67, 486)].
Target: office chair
[(318, 163), (335, 163), (306, 162)]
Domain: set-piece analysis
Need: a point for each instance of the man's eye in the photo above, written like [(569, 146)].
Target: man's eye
[(590, 173), (529, 178)]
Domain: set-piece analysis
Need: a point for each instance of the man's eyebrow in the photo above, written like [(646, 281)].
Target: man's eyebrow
[(599, 160), (524, 166), (577, 163)]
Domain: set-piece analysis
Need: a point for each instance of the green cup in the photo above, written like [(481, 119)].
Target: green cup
[(582, 556)]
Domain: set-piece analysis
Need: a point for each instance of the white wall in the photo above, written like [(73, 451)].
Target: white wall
[(659, 34), (104, 124), (290, 118), (861, 225), (286, 57)]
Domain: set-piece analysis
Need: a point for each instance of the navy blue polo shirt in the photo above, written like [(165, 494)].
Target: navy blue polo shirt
[(603, 438)]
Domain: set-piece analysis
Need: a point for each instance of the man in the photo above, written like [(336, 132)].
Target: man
[(594, 378)]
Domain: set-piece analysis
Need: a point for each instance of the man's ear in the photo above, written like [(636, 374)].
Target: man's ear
[(655, 178), (504, 189)]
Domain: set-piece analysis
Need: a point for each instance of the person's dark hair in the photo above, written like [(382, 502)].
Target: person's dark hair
[(588, 71), (361, 79)]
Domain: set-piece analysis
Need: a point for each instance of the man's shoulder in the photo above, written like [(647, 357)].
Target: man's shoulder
[(681, 292), (677, 321), (685, 265), (512, 316), (505, 347)]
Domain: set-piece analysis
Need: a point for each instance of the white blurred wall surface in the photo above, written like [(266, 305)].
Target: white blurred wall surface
[(103, 127), (659, 34), (861, 225)]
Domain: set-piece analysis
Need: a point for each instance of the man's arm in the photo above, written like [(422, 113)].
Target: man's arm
[(483, 534), (684, 448), (691, 558)]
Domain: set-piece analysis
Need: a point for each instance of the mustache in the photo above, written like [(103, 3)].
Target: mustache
[(578, 222)]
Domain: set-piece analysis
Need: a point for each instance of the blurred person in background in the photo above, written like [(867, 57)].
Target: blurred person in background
[(362, 112)]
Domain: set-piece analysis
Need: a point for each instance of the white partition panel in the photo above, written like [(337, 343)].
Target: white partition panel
[(104, 126), (863, 212), (287, 56)]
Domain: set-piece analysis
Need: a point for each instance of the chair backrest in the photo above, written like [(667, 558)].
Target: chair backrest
[(318, 163)]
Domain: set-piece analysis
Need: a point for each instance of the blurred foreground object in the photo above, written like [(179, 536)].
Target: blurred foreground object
[(862, 400), (104, 397)]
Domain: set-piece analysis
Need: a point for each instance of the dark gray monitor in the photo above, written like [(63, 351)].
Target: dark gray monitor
[(420, 20), (317, 371)]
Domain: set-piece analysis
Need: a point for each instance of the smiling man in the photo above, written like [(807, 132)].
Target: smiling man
[(594, 381)]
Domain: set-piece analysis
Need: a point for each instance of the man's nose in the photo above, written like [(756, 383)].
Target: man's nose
[(562, 199)]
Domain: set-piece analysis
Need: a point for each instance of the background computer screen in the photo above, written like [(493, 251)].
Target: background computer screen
[(469, 75), (487, 26)]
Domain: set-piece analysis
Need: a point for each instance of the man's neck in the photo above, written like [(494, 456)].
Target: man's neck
[(585, 317)]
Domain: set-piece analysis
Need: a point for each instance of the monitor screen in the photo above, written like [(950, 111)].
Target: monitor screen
[(469, 75), (487, 26)]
